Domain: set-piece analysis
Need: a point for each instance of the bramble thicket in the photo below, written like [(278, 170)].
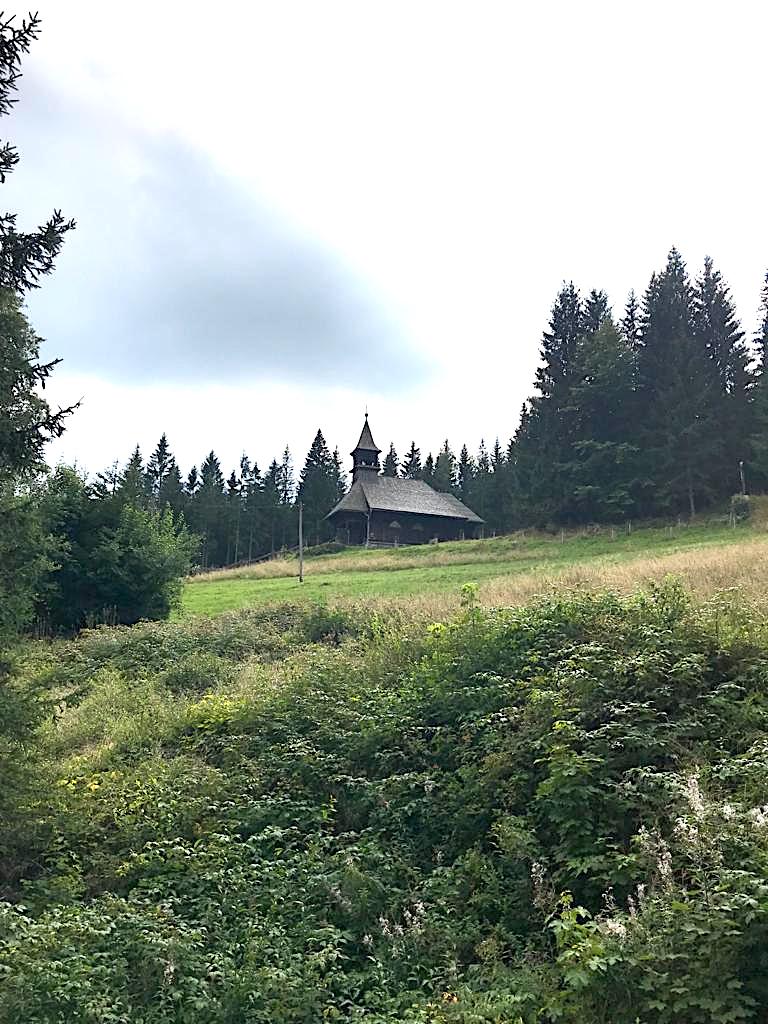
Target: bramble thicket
[(557, 813)]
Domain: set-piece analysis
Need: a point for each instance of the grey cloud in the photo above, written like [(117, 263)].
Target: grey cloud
[(176, 273)]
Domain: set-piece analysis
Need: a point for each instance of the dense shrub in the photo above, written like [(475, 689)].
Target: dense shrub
[(741, 507), (114, 562), (558, 813)]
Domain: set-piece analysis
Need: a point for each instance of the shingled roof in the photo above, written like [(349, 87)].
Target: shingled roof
[(391, 494), (366, 442)]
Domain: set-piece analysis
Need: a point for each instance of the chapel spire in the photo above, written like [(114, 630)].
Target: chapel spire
[(365, 456)]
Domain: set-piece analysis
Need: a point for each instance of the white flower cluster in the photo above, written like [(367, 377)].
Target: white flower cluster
[(759, 816), (656, 846), (395, 932), (686, 831), (693, 795), (635, 903), (539, 882), (615, 929)]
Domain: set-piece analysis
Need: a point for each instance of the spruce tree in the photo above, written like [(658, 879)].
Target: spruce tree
[(630, 323), (677, 389), (444, 476), (481, 483), (717, 331), (254, 539), (208, 512), (465, 475), (171, 494), (132, 485), (428, 471), (596, 310), (272, 505), (602, 472), (27, 422), (759, 438), (340, 477), (514, 515), (234, 512), (318, 490), (560, 342), (159, 465), (25, 257), (391, 464), (544, 439), (287, 486), (496, 501), (412, 468)]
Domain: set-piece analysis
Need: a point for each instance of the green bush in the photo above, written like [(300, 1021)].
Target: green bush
[(741, 507), (556, 813)]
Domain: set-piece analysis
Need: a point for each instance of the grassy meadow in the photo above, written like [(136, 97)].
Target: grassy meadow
[(541, 800), (507, 570)]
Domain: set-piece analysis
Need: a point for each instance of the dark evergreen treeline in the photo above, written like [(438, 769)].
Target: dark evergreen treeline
[(660, 412), (243, 516), (649, 415)]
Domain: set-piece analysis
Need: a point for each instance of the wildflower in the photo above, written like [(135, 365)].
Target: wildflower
[(615, 929), (686, 831), (537, 874), (693, 795), (368, 941), (609, 901), (759, 816), (664, 863)]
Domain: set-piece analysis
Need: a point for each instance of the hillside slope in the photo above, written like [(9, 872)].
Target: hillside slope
[(282, 816), (508, 569)]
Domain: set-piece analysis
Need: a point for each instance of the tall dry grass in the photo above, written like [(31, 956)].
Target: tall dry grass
[(362, 560), (510, 548), (740, 567)]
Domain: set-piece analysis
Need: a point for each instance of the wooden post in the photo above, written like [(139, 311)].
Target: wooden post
[(301, 542), (741, 477)]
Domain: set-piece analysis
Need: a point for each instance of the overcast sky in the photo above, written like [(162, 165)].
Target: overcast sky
[(289, 211)]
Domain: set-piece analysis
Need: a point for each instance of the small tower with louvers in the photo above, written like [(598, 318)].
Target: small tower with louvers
[(365, 456)]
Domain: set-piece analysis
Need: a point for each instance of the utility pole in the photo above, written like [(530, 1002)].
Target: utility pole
[(301, 542)]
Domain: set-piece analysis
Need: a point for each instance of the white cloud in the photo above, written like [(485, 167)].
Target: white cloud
[(461, 159)]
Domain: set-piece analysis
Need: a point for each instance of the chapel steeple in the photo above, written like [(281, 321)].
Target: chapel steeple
[(365, 457)]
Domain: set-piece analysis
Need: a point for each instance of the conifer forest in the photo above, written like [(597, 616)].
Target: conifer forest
[(658, 411)]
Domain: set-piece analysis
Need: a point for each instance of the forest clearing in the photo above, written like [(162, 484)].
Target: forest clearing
[(507, 570)]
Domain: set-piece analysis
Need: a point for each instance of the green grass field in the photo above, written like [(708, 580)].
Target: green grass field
[(412, 571)]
